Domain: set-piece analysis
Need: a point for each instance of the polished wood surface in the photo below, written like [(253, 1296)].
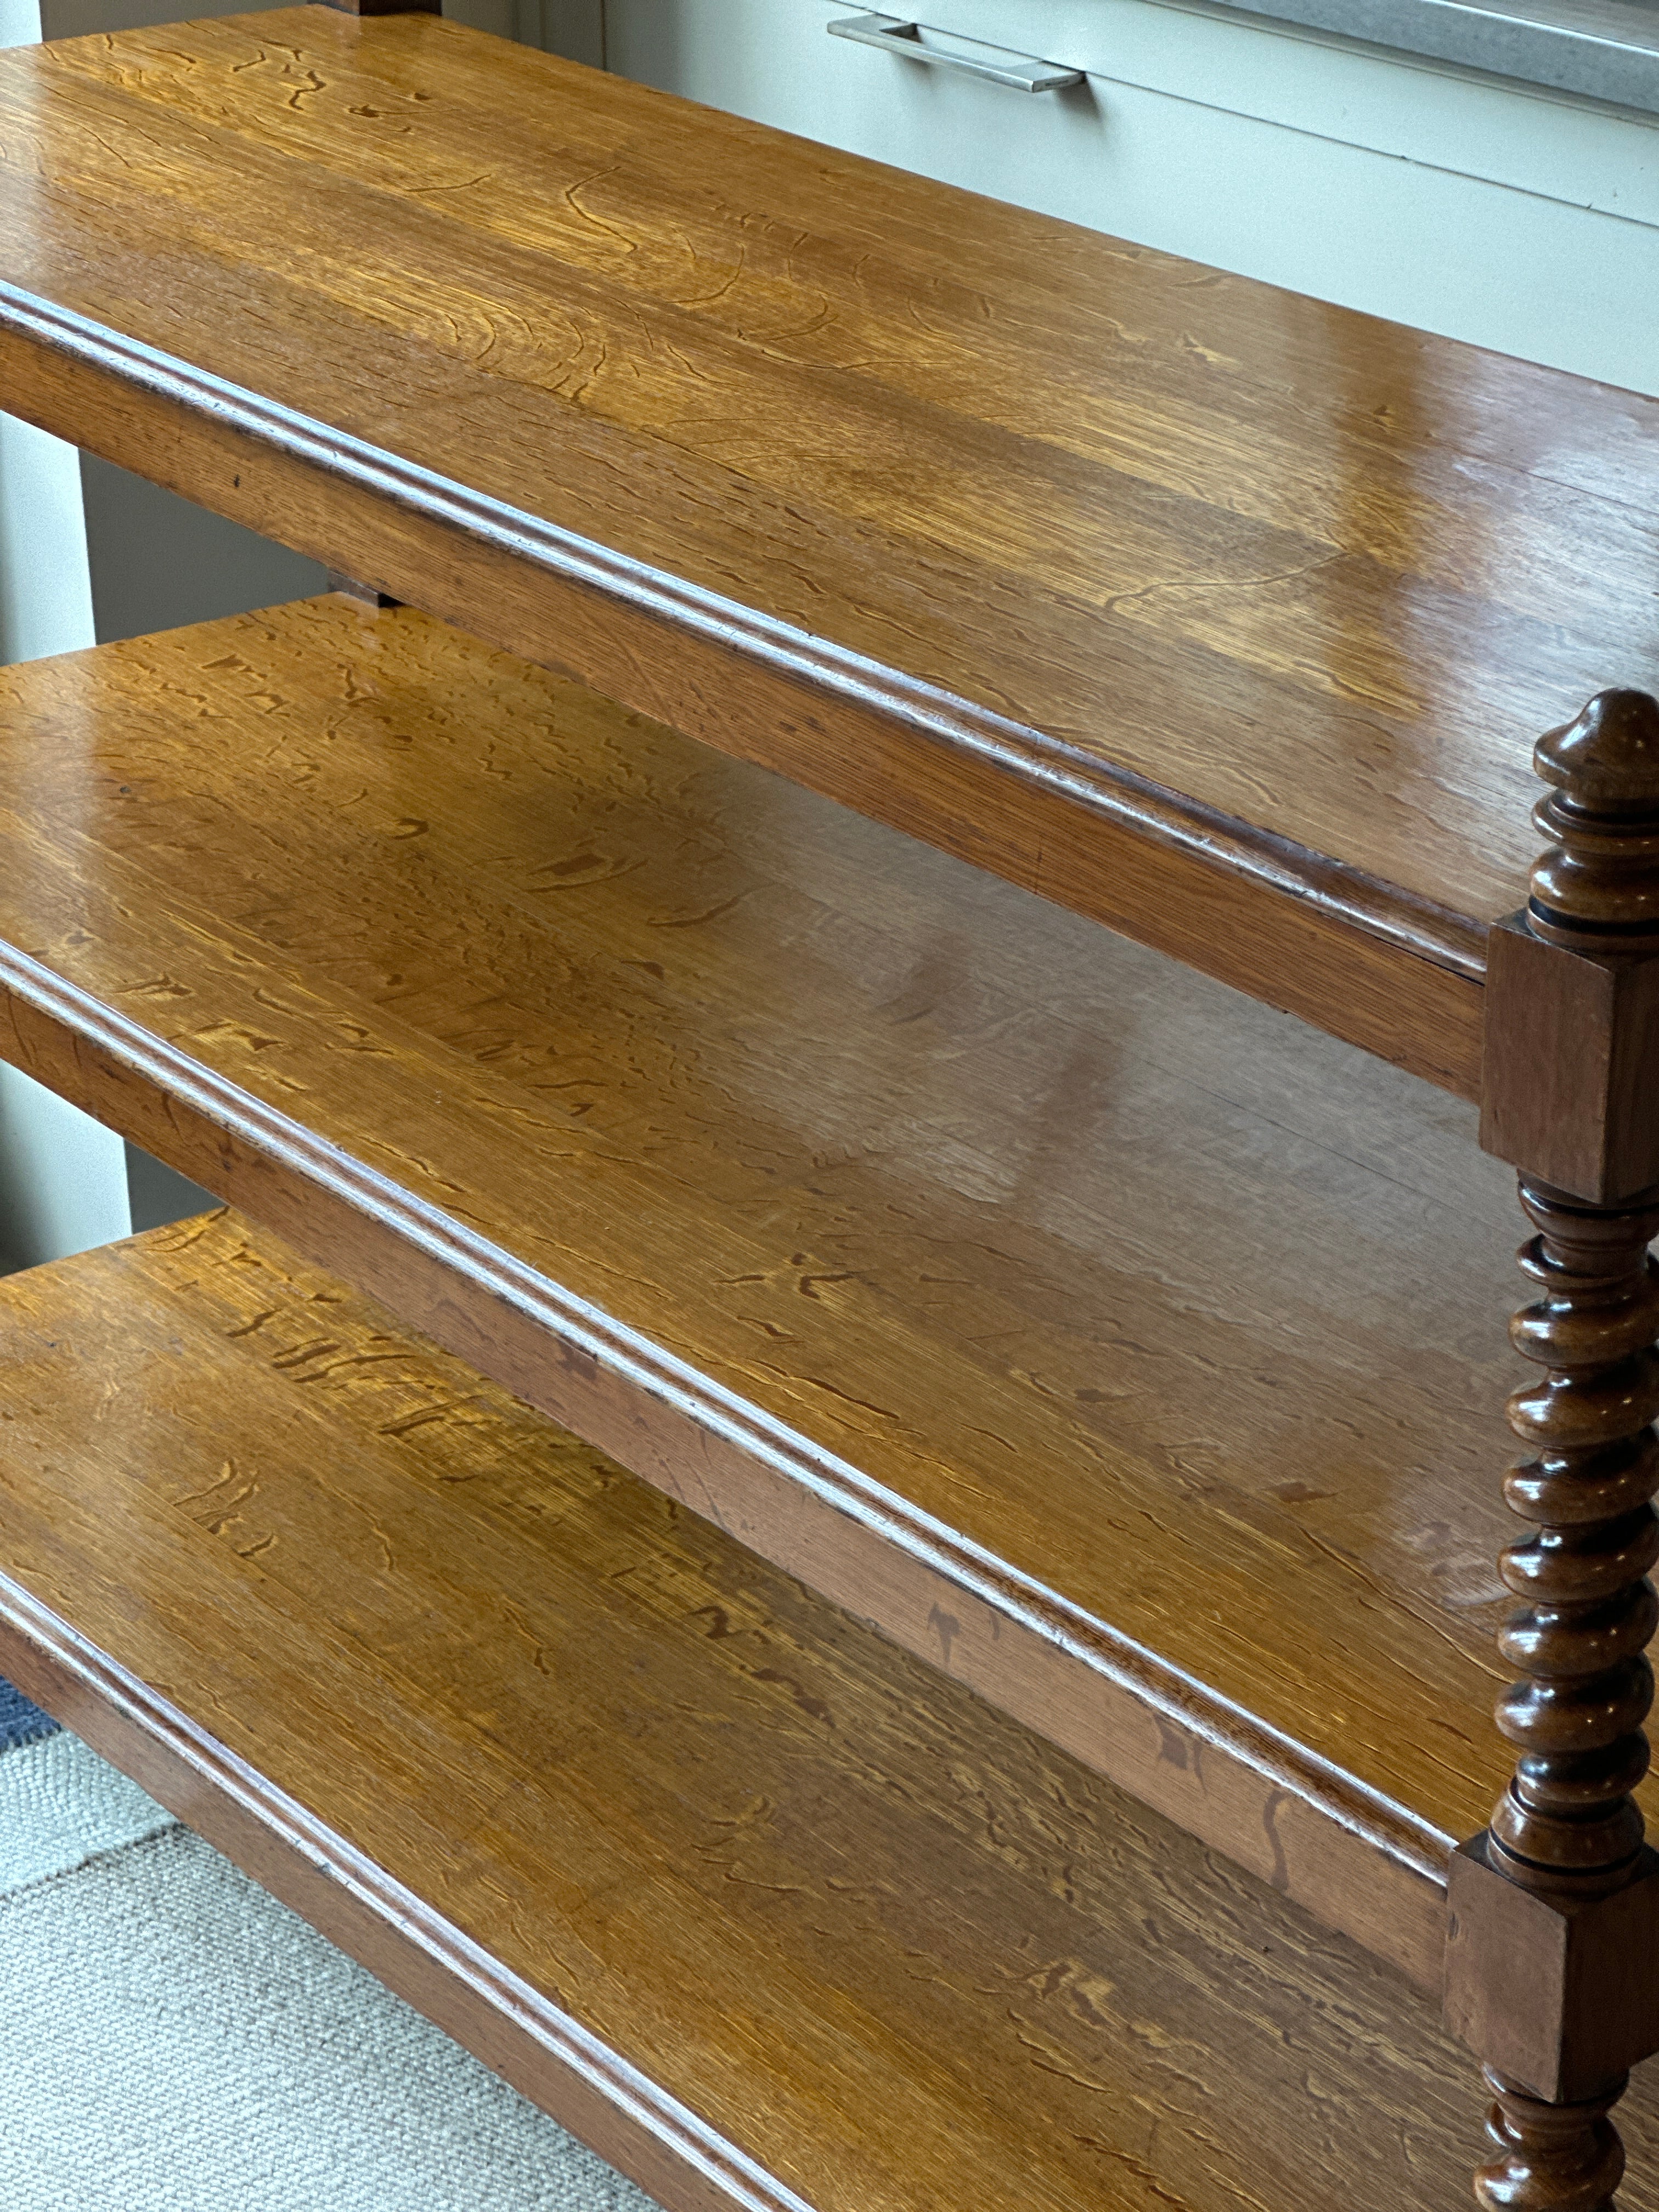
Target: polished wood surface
[(1131, 1352), (1554, 1909), (603, 1792), (1572, 1056), (1224, 615), (1549, 2158), (1587, 1611)]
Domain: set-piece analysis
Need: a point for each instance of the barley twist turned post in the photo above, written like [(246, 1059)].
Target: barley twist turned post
[(1552, 1953)]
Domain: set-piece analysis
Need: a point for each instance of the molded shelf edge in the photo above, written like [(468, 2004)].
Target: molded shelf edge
[(319, 1875), (1358, 1861), (1384, 967)]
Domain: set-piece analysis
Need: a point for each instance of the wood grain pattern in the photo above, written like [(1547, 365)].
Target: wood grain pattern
[(1223, 615), (973, 1264), (706, 1869), (1366, 961)]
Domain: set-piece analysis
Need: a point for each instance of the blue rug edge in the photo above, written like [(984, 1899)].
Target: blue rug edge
[(20, 1723)]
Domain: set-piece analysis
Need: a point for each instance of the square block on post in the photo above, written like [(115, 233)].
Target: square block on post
[(1571, 1066), (1560, 1995)]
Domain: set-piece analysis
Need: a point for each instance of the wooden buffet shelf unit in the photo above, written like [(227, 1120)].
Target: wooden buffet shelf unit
[(716, 1877), (1120, 1345)]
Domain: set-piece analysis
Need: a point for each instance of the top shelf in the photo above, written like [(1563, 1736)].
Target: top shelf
[(1223, 616)]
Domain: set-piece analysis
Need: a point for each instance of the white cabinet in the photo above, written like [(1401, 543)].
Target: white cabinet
[(574, 28), (1513, 217)]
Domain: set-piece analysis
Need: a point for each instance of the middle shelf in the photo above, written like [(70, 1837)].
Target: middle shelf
[(1128, 1350)]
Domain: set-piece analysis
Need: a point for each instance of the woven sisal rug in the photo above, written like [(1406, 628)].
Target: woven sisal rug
[(172, 2040)]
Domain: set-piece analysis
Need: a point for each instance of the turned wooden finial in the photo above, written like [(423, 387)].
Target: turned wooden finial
[(1596, 885)]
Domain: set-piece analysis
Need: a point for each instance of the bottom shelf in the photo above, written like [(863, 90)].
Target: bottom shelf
[(763, 1909)]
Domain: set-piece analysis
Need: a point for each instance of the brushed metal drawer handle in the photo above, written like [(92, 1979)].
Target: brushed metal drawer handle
[(894, 36)]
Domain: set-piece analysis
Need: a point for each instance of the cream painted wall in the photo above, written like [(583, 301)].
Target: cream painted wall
[(574, 28)]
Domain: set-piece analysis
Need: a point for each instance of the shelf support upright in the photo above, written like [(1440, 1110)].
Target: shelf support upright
[(1552, 1946)]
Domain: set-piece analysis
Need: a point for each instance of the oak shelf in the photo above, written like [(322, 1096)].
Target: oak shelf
[(808, 1173), (768, 1914), (644, 931), (1223, 616)]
